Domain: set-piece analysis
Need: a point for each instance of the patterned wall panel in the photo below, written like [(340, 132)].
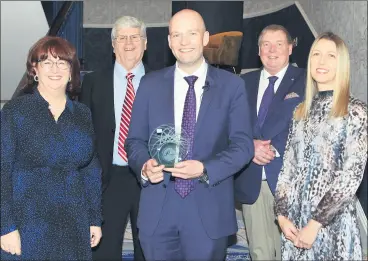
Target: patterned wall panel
[(106, 12), (260, 7), (349, 20), (98, 12), (359, 51)]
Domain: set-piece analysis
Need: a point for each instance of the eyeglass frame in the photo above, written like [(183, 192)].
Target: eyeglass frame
[(41, 61), (130, 38)]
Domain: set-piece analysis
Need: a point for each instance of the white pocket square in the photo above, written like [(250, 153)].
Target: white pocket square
[(291, 95)]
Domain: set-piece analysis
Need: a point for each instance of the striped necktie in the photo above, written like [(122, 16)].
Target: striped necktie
[(125, 116)]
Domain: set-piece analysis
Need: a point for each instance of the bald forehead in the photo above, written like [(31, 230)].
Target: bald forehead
[(185, 16)]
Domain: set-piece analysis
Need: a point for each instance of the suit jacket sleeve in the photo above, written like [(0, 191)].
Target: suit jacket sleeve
[(136, 144), (241, 148)]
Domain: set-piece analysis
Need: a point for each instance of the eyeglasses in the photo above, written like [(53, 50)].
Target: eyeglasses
[(124, 38), (48, 64)]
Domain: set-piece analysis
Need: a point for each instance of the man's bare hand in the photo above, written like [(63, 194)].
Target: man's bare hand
[(263, 154), (152, 171), (188, 169)]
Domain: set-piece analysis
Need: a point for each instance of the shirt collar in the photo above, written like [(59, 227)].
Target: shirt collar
[(200, 72), (279, 75), (137, 70)]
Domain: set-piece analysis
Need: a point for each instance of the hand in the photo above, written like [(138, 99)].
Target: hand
[(95, 234), (262, 152), (11, 243), (152, 171), (188, 169), (308, 235), (288, 229)]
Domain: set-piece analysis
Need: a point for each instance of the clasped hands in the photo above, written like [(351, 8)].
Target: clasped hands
[(303, 238), (11, 242), (263, 152), (188, 169)]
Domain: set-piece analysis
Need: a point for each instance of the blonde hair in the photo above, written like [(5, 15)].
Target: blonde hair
[(341, 92)]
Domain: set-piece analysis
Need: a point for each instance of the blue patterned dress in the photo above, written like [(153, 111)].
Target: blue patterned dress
[(323, 167), (50, 179)]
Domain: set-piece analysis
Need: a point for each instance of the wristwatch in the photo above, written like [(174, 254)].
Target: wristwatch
[(204, 177)]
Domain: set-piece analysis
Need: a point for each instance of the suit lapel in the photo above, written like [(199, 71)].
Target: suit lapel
[(109, 98), (168, 95), (253, 95), (146, 68), (207, 96), (283, 89)]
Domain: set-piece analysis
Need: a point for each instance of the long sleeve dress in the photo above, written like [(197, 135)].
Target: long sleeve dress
[(50, 179), (322, 169)]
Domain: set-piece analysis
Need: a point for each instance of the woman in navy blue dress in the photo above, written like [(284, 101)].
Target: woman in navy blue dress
[(50, 175)]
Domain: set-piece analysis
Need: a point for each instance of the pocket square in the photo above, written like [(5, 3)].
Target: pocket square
[(291, 95)]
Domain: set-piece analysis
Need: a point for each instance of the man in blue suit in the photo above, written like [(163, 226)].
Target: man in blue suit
[(191, 216), (273, 93)]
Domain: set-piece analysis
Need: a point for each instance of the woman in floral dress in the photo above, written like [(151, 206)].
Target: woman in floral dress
[(324, 162)]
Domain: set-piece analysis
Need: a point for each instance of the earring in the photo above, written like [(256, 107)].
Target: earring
[(35, 78), (70, 78)]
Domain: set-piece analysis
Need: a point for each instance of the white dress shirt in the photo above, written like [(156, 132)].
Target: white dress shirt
[(263, 84), (181, 87)]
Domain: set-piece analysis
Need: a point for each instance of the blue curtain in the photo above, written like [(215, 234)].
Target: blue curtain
[(72, 28)]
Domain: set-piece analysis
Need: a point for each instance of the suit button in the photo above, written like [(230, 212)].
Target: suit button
[(164, 185), (112, 130)]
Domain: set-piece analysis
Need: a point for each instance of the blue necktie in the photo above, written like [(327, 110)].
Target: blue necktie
[(183, 186), (266, 100)]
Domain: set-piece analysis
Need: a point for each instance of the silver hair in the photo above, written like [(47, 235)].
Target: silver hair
[(128, 22)]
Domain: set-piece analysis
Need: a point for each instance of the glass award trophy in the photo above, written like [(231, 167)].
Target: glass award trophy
[(168, 147)]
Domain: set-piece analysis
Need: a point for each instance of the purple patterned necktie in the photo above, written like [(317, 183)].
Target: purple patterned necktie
[(185, 186), (266, 100)]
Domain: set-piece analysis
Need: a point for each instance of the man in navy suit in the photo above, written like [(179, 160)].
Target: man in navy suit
[(273, 93), (190, 215)]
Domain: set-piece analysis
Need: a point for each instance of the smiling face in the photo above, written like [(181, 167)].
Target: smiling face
[(274, 51), (129, 47), (323, 63), (187, 37), (53, 73)]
